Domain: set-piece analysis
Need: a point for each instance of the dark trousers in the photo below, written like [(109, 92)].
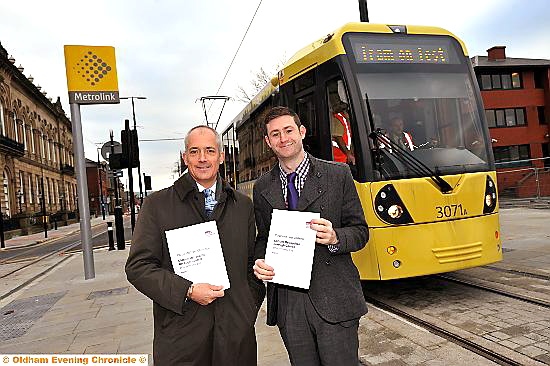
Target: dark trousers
[(310, 340)]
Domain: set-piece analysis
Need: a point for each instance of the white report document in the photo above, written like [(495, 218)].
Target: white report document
[(196, 254), (290, 247)]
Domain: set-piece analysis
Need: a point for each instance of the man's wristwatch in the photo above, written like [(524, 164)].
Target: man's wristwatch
[(190, 291)]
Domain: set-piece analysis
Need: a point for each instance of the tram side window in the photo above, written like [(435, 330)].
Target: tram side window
[(305, 107), (230, 171), (340, 123), (246, 160)]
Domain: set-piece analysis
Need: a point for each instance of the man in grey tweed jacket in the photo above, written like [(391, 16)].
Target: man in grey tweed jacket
[(318, 326)]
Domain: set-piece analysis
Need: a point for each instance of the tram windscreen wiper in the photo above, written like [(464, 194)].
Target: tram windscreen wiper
[(406, 158)]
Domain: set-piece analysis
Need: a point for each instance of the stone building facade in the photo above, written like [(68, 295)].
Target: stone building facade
[(36, 152)]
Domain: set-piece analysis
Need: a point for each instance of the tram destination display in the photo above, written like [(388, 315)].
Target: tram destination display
[(416, 50)]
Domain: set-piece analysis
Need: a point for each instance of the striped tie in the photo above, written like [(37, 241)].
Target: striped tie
[(209, 202)]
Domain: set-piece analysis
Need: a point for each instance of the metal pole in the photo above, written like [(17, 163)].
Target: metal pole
[(82, 189), (110, 235), (537, 180), (100, 186), (144, 182), (119, 223), (363, 11), (130, 175), (139, 163)]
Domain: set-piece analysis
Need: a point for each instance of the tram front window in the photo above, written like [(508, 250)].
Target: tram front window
[(420, 92), (433, 116)]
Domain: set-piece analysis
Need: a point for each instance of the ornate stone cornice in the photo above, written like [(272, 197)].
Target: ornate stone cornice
[(16, 75)]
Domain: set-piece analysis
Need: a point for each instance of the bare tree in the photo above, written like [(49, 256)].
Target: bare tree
[(259, 80)]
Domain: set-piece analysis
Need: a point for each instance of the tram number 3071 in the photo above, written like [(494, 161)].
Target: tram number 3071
[(450, 211)]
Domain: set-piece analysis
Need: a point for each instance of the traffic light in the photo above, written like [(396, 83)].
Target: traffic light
[(147, 179), (131, 143)]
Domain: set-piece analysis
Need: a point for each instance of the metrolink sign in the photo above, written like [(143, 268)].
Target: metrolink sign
[(91, 74)]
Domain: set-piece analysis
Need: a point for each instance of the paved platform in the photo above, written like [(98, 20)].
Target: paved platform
[(63, 313)]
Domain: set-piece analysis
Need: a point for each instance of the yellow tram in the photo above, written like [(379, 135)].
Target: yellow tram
[(401, 106)]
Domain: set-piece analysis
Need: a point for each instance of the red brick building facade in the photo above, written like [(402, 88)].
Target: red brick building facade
[(516, 96)]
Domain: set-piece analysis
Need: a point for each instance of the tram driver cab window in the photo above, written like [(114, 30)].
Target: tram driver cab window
[(340, 124)]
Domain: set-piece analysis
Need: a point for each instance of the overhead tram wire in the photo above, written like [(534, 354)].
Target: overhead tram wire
[(165, 139), (236, 52)]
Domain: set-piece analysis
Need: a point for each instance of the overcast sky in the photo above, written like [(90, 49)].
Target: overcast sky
[(173, 52)]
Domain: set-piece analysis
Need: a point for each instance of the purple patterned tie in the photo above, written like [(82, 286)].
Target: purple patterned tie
[(291, 192)]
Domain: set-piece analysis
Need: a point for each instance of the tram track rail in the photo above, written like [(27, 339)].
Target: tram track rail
[(516, 296), (65, 249), (493, 353), (519, 273), (35, 259)]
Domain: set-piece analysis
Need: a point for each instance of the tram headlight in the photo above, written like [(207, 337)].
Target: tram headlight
[(490, 197), (395, 211), (488, 200), (396, 263), (390, 208)]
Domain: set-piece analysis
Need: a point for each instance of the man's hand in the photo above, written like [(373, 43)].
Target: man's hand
[(262, 271), (325, 233), (205, 293)]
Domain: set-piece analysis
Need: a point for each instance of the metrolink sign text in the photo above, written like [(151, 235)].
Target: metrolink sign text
[(94, 97)]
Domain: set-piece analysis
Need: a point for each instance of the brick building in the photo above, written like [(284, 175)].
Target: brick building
[(36, 152), (516, 96), (96, 175)]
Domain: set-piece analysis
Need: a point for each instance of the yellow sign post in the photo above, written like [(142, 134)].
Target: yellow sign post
[(91, 79), (91, 74)]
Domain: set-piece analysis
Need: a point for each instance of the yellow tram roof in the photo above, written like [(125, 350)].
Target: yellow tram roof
[(331, 45), (325, 49)]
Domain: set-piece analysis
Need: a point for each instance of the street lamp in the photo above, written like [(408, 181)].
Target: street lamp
[(139, 163)]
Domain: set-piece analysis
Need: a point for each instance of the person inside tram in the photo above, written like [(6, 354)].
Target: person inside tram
[(397, 135), (341, 133)]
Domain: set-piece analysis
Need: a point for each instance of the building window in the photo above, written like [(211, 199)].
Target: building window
[(542, 116), (508, 117), (2, 124), (516, 81), (39, 191), (540, 76), (24, 136), (32, 139), (6, 203), (31, 192), (500, 81), (512, 156), (42, 146), (21, 192), (15, 128), (49, 193), (490, 117)]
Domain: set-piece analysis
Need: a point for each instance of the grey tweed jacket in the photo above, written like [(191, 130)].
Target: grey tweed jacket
[(335, 289)]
